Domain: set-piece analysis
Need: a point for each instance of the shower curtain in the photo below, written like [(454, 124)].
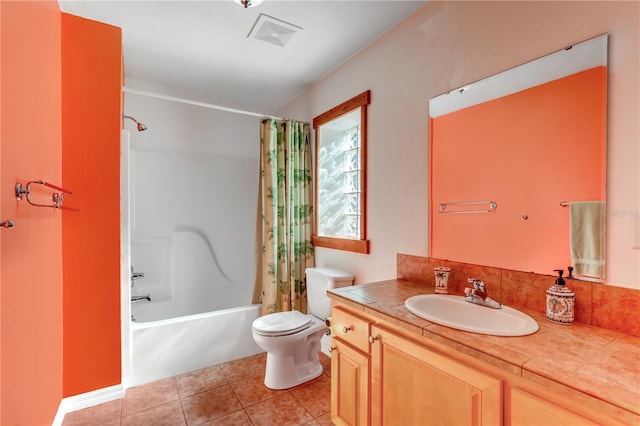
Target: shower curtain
[(284, 228)]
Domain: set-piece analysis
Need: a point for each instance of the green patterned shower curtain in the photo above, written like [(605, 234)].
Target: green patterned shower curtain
[(285, 216)]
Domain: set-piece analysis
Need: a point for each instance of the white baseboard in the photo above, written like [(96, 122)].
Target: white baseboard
[(89, 399)]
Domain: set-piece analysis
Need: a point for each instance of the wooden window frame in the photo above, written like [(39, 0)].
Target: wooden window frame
[(360, 245)]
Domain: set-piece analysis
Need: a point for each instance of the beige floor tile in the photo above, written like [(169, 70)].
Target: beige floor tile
[(210, 405), (215, 396), (252, 390), (238, 418), (200, 381), (315, 396), (283, 410), (169, 414), (147, 396), (325, 420), (245, 368)]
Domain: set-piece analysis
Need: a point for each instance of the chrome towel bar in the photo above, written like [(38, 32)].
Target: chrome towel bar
[(491, 206), (23, 192)]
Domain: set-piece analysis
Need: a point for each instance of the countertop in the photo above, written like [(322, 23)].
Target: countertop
[(595, 361)]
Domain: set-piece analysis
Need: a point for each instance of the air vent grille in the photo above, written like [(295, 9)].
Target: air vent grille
[(273, 30)]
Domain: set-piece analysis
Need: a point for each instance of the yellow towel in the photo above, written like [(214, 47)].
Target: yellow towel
[(587, 233)]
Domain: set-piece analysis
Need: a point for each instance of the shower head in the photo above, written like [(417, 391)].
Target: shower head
[(140, 125)]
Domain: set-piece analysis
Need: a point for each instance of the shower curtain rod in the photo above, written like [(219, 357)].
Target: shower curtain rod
[(196, 103)]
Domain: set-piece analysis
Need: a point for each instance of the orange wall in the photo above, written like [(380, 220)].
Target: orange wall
[(91, 110), (523, 152), (31, 277)]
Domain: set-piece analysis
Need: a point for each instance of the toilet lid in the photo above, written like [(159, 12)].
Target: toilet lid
[(282, 322)]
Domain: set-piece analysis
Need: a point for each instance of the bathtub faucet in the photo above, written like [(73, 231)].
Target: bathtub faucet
[(141, 298), (135, 276)]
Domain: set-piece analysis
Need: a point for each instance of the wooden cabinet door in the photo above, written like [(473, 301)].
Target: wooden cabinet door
[(412, 385), (528, 409), (349, 385)]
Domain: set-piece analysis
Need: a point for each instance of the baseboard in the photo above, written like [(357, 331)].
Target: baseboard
[(89, 399)]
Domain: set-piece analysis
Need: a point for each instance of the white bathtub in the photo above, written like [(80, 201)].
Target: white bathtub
[(197, 316), (174, 346)]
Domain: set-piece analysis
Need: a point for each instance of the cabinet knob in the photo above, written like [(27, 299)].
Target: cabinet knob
[(332, 348), (372, 339), (346, 329)]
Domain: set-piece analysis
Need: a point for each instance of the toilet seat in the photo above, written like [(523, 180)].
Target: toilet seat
[(282, 323)]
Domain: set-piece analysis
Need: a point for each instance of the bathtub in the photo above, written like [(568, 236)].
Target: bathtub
[(169, 347), (197, 316)]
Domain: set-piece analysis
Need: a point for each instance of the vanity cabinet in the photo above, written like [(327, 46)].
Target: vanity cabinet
[(413, 385), (379, 377), (382, 374), (349, 369), (528, 409)]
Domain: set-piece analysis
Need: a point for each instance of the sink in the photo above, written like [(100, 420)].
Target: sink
[(455, 312)]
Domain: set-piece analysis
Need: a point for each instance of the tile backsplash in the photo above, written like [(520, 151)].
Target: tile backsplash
[(606, 306)]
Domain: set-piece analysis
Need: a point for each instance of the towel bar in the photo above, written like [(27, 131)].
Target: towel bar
[(24, 192), (491, 207)]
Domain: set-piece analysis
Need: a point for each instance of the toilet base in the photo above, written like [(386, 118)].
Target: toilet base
[(282, 373)]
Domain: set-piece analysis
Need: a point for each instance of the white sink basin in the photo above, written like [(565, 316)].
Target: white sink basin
[(455, 312)]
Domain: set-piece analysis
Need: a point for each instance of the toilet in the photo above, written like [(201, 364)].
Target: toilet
[(292, 339)]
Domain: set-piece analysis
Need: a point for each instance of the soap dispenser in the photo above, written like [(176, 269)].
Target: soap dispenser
[(560, 302)]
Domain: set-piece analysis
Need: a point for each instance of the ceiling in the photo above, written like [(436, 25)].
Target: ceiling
[(200, 50)]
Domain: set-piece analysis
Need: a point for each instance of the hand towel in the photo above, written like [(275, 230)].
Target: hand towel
[(587, 234)]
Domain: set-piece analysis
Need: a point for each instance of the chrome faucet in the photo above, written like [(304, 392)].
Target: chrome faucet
[(135, 276), (478, 294)]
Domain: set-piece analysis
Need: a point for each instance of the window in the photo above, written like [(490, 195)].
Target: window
[(340, 176)]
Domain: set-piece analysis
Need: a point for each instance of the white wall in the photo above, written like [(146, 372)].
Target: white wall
[(445, 45), (196, 170)]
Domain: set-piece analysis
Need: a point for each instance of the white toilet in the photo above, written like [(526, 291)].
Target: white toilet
[(292, 339)]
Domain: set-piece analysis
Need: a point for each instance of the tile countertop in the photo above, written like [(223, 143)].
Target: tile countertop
[(596, 361)]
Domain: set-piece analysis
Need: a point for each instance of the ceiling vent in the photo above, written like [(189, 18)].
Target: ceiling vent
[(273, 30)]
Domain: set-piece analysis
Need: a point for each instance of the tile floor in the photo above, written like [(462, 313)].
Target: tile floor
[(227, 394)]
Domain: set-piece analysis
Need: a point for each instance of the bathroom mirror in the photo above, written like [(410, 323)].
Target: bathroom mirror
[(509, 155)]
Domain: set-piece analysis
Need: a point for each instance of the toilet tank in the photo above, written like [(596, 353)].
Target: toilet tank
[(319, 280)]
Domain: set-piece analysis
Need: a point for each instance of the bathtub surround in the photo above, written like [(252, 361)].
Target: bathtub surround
[(192, 191), (189, 282), (193, 201), (286, 204), (193, 194), (610, 307)]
